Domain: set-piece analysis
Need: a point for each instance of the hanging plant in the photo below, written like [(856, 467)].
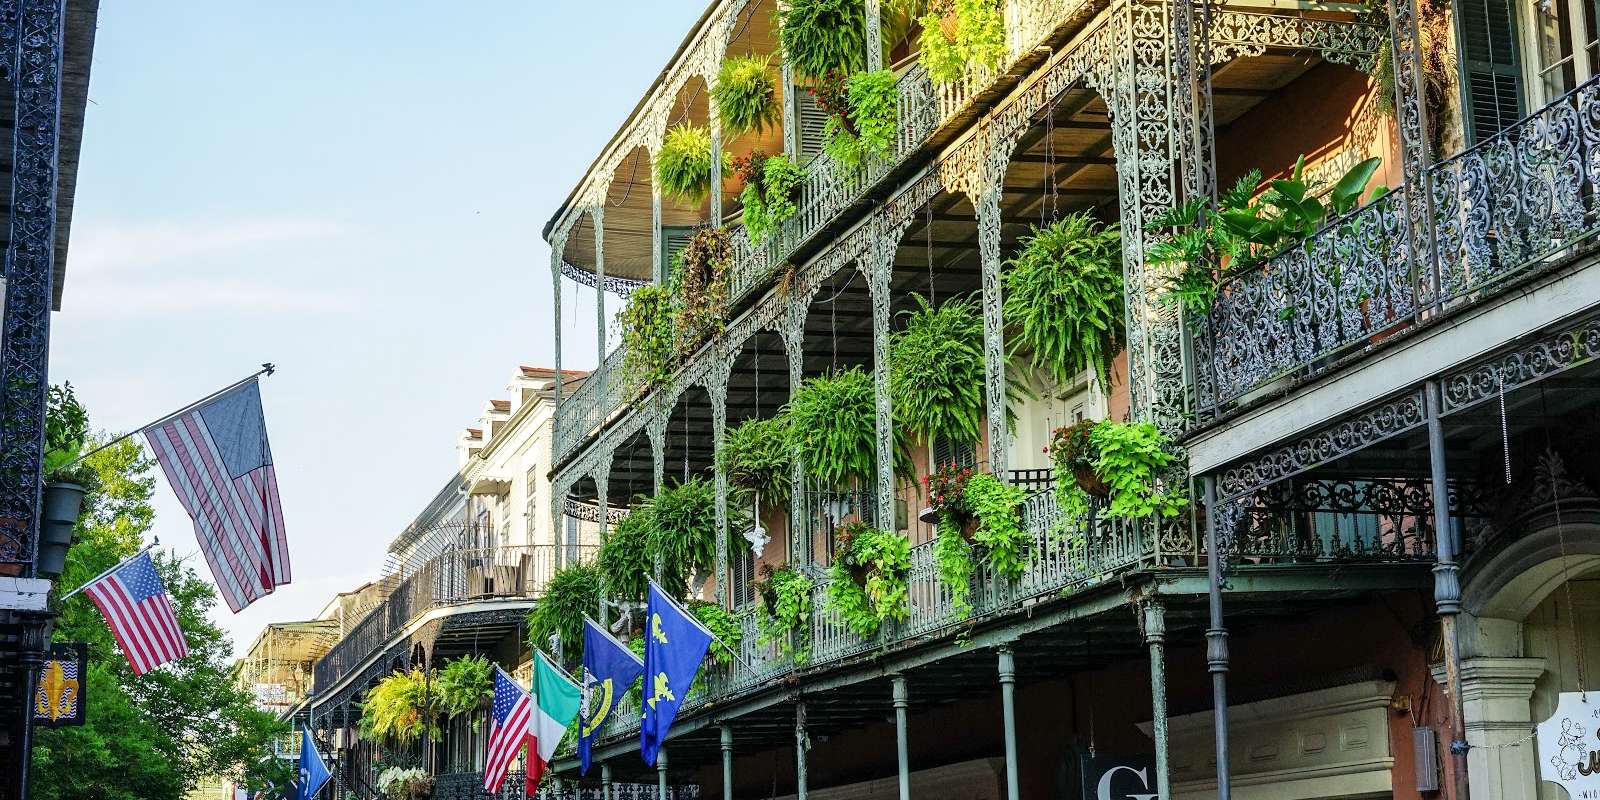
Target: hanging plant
[(833, 420), (465, 684), (701, 278), (724, 648), (649, 354), (1064, 302), (952, 558), (786, 610), (684, 532), (868, 580), (1202, 247), (401, 707), (997, 506), (936, 371), (571, 593), (746, 95), (819, 36), (683, 165), (1128, 457), (771, 187), (863, 115), (756, 459), (961, 37), (625, 561)]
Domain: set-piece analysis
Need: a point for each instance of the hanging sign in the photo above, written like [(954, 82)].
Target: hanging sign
[(1124, 777), (63, 678), (1569, 745)]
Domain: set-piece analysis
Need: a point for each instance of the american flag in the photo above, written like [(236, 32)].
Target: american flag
[(513, 718), (216, 457), (140, 614)]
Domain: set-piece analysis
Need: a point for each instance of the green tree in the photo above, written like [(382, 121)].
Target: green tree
[(154, 735)]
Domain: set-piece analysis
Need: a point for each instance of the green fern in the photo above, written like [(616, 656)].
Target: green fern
[(1064, 298), (683, 166), (746, 95)]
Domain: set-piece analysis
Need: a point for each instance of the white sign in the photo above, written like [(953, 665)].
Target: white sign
[(1569, 746)]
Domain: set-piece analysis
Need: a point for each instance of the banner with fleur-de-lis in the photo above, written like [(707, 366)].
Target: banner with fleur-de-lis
[(63, 680)]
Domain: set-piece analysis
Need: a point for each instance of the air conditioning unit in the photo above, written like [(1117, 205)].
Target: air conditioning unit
[(1425, 752)]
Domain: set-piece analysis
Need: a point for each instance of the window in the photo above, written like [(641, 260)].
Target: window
[(810, 125), (742, 569), (673, 239), (947, 452), (530, 508), (1562, 42), (1491, 96)]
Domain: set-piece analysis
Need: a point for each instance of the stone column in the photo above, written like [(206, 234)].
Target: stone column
[(902, 702), (727, 762), (1008, 705)]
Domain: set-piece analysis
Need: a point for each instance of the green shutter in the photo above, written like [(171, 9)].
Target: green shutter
[(1491, 81), (673, 239), (810, 123)]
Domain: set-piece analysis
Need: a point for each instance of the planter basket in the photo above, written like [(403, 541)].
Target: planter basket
[(62, 503), (1089, 482)]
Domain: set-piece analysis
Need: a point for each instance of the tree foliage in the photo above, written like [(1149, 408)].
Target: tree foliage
[(155, 735)]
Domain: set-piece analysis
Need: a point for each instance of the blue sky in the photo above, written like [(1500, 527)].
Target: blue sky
[(352, 190)]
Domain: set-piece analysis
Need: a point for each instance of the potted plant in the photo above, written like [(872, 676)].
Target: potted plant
[(683, 164), (625, 559), (960, 37), (649, 342), (700, 289), (786, 610), (820, 36), (771, 187), (465, 684), (66, 476), (947, 488), (746, 95), (936, 373), (833, 420), (570, 594), (1064, 306), (863, 115), (1129, 458), (997, 507), (401, 707), (757, 459), (868, 579), (405, 783), (724, 628), (1072, 452)]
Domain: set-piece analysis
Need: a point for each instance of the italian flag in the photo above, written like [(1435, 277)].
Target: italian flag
[(555, 701)]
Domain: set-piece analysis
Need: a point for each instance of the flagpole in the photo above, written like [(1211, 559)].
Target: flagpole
[(266, 369), (114, 567)]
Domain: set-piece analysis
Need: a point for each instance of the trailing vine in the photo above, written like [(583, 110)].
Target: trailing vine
[(649, 344), (997, 507), (952, 558), (863, 115), (722, 626), (961, 37), (786, 610), (701, 288), (868, 579), (771, 186), (1063, 300)]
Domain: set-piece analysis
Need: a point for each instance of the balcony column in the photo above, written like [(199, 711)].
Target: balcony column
[(1155, 635), (994, 330), (791, 100), (874, 35), (793, 333), (1447, 588), (558, 243), (1411, 121), (605, 780), (717, 388), (902, 701), (658, 258), (599, 214), (727, 762), (802, 743), (876, 266), (1008, 706), (1216, 640), (716, 164), (656, 429), (602, 484), (661, 774)]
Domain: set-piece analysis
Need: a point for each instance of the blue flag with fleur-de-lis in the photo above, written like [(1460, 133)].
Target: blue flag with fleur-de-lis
[(674, 645)]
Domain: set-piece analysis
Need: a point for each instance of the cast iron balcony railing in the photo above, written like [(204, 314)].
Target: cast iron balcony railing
[(469, 786), (1520, 201), (452, 577)]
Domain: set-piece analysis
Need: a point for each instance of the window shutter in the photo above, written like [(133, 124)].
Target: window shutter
[(810, 123), (673, 239), (947, 452), (1492, 94)]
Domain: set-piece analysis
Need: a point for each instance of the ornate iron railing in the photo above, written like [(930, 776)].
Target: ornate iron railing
[(1521, 200), (469, 786), (585, 409), (454, 576)]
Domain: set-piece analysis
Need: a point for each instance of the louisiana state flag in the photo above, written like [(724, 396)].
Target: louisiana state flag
[(609, 670), (675, 644)]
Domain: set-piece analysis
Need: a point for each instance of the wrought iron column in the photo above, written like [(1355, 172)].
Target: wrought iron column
[(602, 486), (877, 275), (1217, 640), (716, 165), (717, 388), (727, 762), (791, 134), (874, 35), (994, 333), (599, 374), (1446, 587), (902, 700), (658, 256), (802, 743), (558, 243), (661, 773), (793, 333), (656, 429), (1008, 705), (1411, 122), (605, 780), (1155, 635)]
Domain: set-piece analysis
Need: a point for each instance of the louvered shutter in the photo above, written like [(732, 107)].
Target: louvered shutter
[(810, 122), (947, 452), (1493, 93), (673, 239)]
